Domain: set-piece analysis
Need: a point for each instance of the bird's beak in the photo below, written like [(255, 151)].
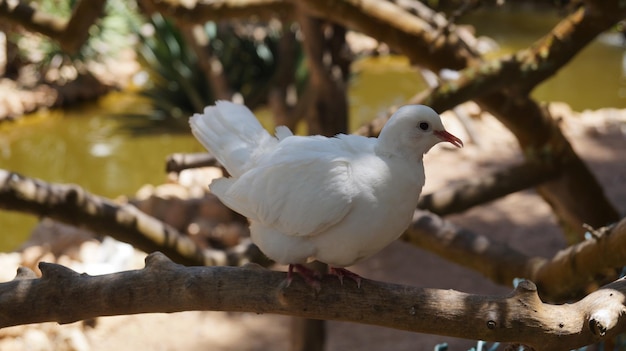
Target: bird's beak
[(445, 136)]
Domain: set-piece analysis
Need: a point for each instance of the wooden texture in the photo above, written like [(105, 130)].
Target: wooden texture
[(65, 296)]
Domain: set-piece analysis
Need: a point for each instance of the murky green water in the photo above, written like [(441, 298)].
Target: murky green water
[(84, 146), (87, 147)]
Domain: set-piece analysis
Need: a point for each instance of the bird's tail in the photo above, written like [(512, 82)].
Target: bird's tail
[(232, 134)]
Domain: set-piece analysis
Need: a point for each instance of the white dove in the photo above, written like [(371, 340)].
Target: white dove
[(337, 200)]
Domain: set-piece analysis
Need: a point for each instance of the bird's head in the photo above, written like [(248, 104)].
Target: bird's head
[(414, 129)]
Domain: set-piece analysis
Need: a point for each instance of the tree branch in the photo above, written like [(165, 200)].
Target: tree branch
[(73, 205), (70, 34), (418, 38), (480, 190), (568, 274), (180, 161), (527, 67), (572, 270), (65, 296)]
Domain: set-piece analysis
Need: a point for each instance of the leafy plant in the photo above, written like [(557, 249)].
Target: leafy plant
[(108, 36), (176, 86)]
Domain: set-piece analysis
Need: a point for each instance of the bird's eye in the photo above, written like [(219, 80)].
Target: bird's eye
[(424, 126)]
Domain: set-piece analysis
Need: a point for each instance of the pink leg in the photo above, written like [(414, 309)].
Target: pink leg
[(311, 277), (342, 272)]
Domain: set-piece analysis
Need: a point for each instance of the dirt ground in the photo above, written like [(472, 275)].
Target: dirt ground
[(523, 220)]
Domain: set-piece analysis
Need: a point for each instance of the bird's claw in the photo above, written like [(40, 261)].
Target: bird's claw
[(313, 278), (310, 276), (342, 272)]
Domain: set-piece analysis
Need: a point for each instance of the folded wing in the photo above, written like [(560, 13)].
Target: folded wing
[(300, 196)]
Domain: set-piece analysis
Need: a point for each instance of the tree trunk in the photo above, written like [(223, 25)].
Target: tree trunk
[(328, 114)]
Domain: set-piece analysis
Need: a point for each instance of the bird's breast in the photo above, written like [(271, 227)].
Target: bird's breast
[(382, 210)]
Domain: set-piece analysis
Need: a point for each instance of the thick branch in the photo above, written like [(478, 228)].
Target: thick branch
[(527, 67), (568, 274), (328, 114), (574, 268), (419, 38), (495, 260), (70, 34), (65, 296), (479, 190), (73, 205)]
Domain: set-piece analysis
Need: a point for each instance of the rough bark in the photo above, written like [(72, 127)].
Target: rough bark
[(569, 274), (282, 99), (65, 296), (480, 190), (328, 113), (73, 205), (70, 34)]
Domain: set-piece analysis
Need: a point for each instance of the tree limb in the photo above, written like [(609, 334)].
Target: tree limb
[(572, 270), (328, 114), (527, 67), (73, 205), (475, 191), (69, 34), (568, 274), (65, 296)]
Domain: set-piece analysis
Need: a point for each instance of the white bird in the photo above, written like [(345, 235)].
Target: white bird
[(337, 200)]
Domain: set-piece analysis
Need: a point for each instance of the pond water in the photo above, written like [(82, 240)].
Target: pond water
[(84, 145)]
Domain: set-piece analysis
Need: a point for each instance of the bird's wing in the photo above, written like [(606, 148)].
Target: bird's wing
[(298, 196)]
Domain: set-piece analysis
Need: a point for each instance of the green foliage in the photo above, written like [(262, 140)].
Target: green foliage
[(107, 37), (177, 86)]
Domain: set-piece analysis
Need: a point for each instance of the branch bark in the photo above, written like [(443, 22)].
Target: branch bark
[(328, 114), (527, 68), (65, 296), (71, 34), (73, 205), (569, 274), (480, 190)]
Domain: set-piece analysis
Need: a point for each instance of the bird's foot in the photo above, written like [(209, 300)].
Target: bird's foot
[(310, 276), (342, 272)]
